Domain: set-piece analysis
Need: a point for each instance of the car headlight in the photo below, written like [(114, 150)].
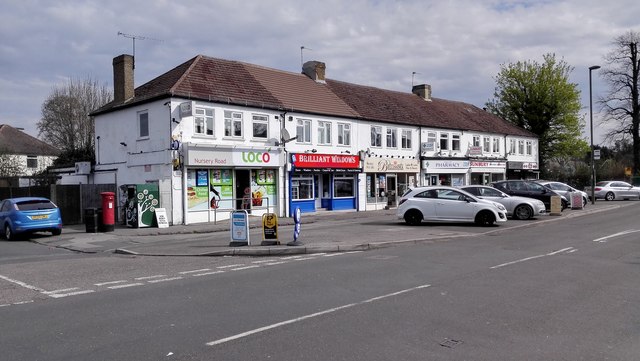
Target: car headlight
[(500, 206)]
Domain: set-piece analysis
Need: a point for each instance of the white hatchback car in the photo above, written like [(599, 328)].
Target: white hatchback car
[(448, 204)]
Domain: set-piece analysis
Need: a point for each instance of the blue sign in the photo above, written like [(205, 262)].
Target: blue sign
[(240, 227)]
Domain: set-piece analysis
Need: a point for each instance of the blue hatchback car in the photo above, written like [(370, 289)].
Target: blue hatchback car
[(29, 214)]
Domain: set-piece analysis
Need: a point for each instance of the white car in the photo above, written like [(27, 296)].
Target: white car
[(448, 204), (517, 207), (565, 190)]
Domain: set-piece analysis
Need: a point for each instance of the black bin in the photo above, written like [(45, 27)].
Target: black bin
[(91, 220)]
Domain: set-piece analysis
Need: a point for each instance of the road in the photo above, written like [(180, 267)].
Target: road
[(561, 290)]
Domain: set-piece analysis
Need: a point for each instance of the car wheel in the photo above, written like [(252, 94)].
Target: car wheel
[(56, 232), (8, 233), (610, 196), (523, 212), (584, 201), (413, 217), (485, 218)]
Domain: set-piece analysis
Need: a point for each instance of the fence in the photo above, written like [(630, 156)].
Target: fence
[(245, 203), (71, 199)]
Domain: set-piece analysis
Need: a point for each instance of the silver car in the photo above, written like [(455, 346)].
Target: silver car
[(517, 207), (565, 190), (610, 190)]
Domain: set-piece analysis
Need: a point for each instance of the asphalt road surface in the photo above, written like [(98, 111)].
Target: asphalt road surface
[(564, 290)]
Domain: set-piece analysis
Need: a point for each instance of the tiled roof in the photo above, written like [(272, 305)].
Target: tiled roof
[(239, 83), (14, 141)]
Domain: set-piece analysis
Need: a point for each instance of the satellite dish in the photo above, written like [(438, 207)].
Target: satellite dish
[(286, 137)]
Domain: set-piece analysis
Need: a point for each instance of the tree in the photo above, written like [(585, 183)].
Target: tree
[(540, 98), (10, 165), (66, 123), (621, 104)]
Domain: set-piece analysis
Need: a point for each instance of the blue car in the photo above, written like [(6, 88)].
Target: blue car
[(27, 215)]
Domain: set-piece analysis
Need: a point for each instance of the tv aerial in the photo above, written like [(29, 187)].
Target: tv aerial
[(134, 38)]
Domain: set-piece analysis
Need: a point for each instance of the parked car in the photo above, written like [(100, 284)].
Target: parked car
[(25, 215), (448, 204), (531, 189), (610, 190), (564, 190), (517, 207)]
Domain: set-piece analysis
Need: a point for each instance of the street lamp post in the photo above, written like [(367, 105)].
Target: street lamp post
[(593, 166)]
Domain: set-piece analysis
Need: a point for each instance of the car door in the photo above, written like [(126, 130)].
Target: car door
[(426, 203), (540, 192), (4, 208), (453, 205), (621, 189)]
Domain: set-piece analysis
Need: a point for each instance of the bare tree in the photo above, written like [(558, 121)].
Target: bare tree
[(65, 122), (621, 104)]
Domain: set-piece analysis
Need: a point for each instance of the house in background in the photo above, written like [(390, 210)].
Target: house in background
[(26, 155)]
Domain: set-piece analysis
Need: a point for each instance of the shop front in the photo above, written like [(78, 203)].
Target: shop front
[(387, 179), (220, 180), (445, 172), (522, 170), (486, 172), (323, 182)]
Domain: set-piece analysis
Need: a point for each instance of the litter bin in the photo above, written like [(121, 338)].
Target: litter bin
[(91, 220), (100, 220)]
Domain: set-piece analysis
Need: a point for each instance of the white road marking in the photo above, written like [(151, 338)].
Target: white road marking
[(350, 252), (125, 285), (262, 261), (231, 266), (23, 302), (275, 263), (533, 257), (20, 283), (302, 318), (5, 305), (247, 267), (207, 273), (195, 271), (304, 259), (604, 239), (334, 254), (60, 291), (109, 283), (165, 279), (149, 277), (60, 295), (290, 257)]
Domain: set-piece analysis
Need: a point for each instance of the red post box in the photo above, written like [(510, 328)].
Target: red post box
[(108, 211)]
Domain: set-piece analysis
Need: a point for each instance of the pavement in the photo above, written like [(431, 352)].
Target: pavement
[(214, 239)]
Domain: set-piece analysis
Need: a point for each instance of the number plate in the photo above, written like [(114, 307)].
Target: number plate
[(40, 217)]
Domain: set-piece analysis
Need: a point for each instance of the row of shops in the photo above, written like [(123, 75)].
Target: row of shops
[(217, 181)]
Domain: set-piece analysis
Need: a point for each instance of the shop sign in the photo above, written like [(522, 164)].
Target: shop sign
[(377, 165), (475, 150), (447, 164), (335, 161), (523, 165), (428, 146), (232, 157), (485, 164)]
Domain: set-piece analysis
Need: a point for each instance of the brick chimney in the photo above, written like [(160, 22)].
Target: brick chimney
[(123, 88), (314, 70), (423, 91)]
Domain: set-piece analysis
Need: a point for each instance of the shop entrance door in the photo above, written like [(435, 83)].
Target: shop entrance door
[(243, 189), (391, 190)]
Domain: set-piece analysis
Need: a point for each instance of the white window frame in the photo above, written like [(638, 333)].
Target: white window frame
[(32, 161), (521, 147), (528, 147), (496, 145), (233, 124), (444, 141), (376, 136), (260, 120), (324, 132), (303, 131), (407, 138), (392, 138), (295, 186), (205, 116), (455, 142), (143, 124), (476, 141), (512, 147), (486, 144), (344, 134)]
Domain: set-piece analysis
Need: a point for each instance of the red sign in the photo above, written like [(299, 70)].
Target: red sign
[(336, 161)]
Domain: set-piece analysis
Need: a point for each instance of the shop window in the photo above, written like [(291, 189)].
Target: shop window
[(302, 187), (343, 186), (376, 136)]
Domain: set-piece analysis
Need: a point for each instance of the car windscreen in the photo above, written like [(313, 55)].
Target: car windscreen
[(35, 205)]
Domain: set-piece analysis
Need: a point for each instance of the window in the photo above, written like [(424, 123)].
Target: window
[(343, 186), (232, 124), (486, 144), (260, 126), (444, 141), (392, 138), (496, 145), (376, 136), (303, 130), (143, 125), (324, 133), (406, 138), (455, 142), (203, 122), (521, 147), (512, 146), (344, 134), (302, 187), (32, 161), (476, 140), (529, 147)]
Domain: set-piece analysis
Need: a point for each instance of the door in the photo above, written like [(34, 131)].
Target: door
[(317, 188), (391, 190), (453, 205), (243, 189)]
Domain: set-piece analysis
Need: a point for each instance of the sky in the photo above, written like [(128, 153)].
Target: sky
[(456, 46)]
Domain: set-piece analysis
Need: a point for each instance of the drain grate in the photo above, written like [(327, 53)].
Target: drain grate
[(450, 343)]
